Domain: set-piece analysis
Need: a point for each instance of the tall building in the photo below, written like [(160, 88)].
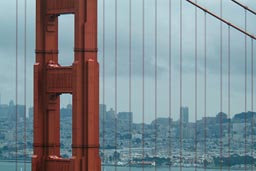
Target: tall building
[(4, 111), (103, 110), (125, 117), (66, 112), (184, 115), (125, 120), (110, 115), (16, 108), (163, 122), (31, 113)]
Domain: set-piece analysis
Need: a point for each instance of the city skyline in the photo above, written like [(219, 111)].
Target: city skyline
[(29, 112), (66, 42), (122, 143)]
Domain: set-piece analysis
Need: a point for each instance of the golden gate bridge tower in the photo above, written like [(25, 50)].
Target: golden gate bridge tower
[(81, 79)]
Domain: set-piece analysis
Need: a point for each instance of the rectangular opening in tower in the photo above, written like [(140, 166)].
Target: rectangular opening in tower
[(65, 125), (66, 39)]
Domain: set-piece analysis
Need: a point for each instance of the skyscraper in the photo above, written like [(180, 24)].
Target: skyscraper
[(184, 115), (125, 117), (103, 110)]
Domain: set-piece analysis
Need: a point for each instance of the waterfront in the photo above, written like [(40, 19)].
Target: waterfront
[(11, 166), (220, 147)]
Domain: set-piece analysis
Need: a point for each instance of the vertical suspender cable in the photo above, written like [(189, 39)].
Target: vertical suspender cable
[(195, 86), (229, 113), (170, 83), (156, 129), (245, 89), (103, 81), (252, 102), (115, 85), (130, 77), (221, 90), (25, 82), (16, 86), (181, 124), (205, 83), (143, 80)]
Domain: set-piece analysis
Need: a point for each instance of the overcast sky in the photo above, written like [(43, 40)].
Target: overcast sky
[(231, 12)]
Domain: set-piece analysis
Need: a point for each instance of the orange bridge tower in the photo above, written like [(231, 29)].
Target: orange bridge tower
[(81, 79)]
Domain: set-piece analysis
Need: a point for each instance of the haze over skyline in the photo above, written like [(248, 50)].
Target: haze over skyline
[(231, 12)]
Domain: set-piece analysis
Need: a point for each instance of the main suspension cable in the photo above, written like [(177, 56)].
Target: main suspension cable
[(221, 19)]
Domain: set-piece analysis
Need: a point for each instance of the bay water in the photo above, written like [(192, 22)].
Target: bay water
[(11, 166)]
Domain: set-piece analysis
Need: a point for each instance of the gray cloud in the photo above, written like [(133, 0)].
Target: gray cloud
[(230, 11)]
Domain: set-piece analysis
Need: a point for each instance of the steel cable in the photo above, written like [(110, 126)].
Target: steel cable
[(170, 83), (181, 124), (229, 103), (103, 81), (245, 89), (116, 143), (143, 81), (196, 72), (156, 41), (221, 85), (25, 81), (16, 84), (252, 102), (205, 85), (130, 78)]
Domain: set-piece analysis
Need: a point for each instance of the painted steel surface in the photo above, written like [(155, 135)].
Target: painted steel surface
[(81, 79)]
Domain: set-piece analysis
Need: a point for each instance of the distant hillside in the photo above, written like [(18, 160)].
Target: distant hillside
[(241, 116)]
